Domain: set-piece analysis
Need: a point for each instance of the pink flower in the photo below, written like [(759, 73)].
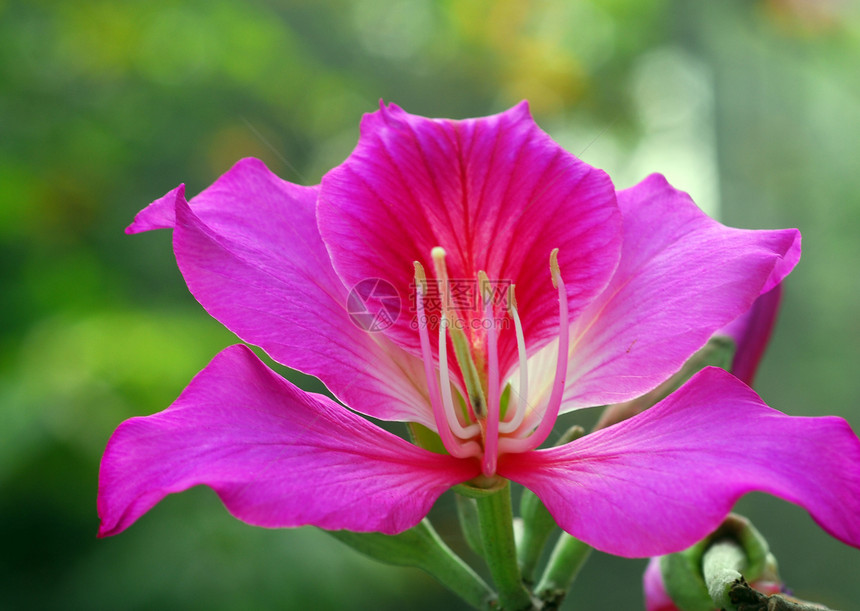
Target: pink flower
[(604, 295)]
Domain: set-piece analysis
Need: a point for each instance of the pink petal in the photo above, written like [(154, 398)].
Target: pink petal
[(656, 597), (682, 276), (276, 456), (751, 332), (662, 480), (249, 249), (496, 193), (160, 214)]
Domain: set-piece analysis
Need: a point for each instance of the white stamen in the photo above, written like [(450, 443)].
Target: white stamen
[(443, 422), (509, 426), (550, 412), (445, 382)]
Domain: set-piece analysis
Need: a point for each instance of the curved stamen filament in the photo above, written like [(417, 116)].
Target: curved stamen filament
[(444, 423), (550, 413), (445, 382), (521, 431), (491, 430), (462, 349), (509, 426)]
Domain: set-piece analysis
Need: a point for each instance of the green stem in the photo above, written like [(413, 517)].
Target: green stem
[(568, 556), (747, 598), (495, 515)]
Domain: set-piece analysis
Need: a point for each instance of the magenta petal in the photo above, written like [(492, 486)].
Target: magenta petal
[(496, 193), (656, 597), (160, 214), (277, 457), (249, 249), (751, 332), (682, 276), (662, 480)]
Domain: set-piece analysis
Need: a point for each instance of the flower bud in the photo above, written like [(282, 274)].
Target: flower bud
[(677, 582)]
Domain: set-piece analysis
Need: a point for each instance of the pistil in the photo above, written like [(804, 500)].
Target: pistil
[(491, 426)]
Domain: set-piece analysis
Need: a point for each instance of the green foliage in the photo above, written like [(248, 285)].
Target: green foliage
[(105, 106)]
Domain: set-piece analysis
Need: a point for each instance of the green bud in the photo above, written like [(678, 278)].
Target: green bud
[(717, 561)]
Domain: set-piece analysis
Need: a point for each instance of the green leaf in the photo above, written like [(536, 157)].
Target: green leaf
[(421, 547)]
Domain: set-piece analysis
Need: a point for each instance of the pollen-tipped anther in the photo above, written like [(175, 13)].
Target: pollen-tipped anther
[(438, 256), (420, 277), (553, 268)]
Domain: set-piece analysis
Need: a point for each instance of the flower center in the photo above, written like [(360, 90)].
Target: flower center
[(480, 430)]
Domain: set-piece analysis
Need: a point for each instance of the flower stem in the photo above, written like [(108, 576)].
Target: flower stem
[(746, 597), (495, 515), (568, 556)]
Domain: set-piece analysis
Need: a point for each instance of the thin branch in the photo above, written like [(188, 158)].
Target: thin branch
[(748, 599)]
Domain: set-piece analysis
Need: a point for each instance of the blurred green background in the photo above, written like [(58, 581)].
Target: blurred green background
[(751, 106)]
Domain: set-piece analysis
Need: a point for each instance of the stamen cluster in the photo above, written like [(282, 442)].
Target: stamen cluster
[(481, 429)]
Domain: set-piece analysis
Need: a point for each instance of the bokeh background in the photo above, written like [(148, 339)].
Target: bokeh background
[(753, 106)]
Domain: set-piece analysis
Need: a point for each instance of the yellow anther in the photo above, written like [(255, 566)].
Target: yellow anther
[(420, 277), (438, 254), (512, 298), (484, 286), (553, 267)]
